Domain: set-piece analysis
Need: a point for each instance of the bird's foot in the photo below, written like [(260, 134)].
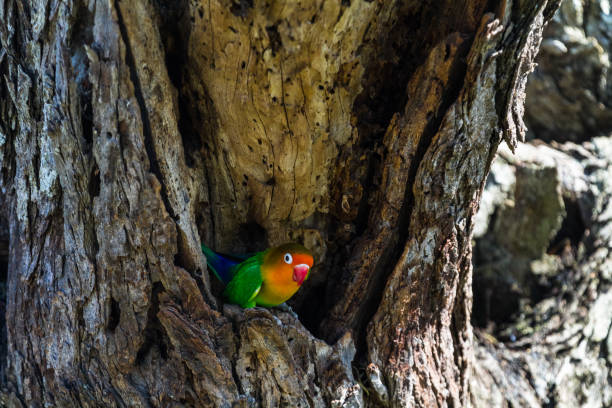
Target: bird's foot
[(286, 308)]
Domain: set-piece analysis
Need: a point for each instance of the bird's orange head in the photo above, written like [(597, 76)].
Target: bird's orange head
[(292, 260)]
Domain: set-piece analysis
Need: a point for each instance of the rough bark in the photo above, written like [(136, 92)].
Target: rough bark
[(131, 130)]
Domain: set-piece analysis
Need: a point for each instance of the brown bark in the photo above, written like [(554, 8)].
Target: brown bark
[(133, 130)]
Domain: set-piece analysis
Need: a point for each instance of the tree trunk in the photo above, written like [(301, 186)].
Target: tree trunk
[(131, 131)]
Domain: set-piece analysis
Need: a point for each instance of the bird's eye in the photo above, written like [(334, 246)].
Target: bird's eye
[(288, 258)]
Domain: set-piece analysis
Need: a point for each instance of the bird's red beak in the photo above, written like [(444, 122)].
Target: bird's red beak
[(300, 272)]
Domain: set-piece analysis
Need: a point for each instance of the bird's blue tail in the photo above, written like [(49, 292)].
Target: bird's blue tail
[(222, 266)]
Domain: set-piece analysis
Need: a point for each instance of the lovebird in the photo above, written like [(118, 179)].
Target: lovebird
[(266, 278)]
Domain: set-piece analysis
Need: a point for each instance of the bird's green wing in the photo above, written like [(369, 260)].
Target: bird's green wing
[(246, 283)]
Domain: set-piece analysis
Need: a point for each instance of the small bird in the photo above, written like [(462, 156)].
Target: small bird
[(266, 278)]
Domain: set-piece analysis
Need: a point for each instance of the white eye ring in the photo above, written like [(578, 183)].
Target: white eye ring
[(288, 259)]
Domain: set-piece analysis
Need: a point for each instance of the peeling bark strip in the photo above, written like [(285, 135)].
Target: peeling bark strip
[(132, 130)]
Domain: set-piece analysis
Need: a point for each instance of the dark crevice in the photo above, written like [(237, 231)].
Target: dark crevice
[(192, 142), (234, 371), (395, 247), (190, 399), (175, 24), (94, 181), (82, 34), (154, 333), (252, 237), (36, 166), (114, 316), (274, 37), (207, 115), (144, 113), (310, 306), (175, 36), (8, 167), (372, 176), (495, 301), (397, 58), (202, 215), (196, 114), (374, 294), (572, 229), (87, 118), (240, 8), (81, 29), (182, 257), (451, 93), (139, 384), (4, 262)]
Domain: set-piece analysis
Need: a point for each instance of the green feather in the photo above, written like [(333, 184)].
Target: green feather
[(246, 282)]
